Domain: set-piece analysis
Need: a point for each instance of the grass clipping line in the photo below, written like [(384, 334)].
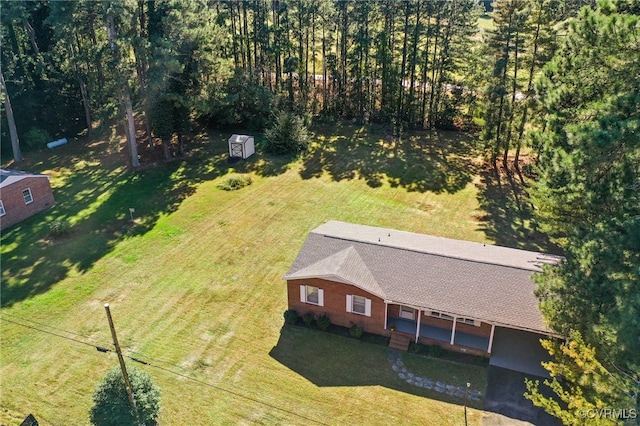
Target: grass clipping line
[(235, 181)]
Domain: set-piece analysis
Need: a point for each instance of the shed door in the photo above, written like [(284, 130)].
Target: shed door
[(236, 149)]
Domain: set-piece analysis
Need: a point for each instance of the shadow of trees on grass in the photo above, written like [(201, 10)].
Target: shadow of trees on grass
[(422, 161), (95, 196), (326, 359), (508, 218)]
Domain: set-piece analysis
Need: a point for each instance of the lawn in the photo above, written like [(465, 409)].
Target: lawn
[(194, 282)]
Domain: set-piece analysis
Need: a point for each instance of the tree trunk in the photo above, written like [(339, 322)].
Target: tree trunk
[(83, 88), (131, 127), (514, 89), (403, 69), (13, 132), (125, 98)]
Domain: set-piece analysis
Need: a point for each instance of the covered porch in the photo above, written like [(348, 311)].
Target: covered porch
[(455, 337)]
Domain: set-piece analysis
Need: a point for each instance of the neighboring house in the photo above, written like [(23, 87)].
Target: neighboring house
[(22, 194), (463, 296)]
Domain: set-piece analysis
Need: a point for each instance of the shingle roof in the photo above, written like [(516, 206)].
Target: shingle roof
[(465, 279), (9, 176)]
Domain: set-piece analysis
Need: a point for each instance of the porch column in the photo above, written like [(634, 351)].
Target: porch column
[(493, 328), (418, 325), (453, 330), (386, 309)]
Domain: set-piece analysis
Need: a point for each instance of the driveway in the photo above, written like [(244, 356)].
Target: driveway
[(505, 396)]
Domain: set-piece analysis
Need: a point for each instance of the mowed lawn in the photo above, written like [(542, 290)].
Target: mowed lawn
[(195, 286)]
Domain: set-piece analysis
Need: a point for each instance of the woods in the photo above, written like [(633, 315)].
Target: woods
[(408, 65), (555, 81)]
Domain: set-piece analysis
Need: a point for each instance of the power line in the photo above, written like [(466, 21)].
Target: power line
[(193, 379), (99, 348), (45, 325)]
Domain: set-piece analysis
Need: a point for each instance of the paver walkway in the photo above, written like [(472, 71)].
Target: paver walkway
[(424, 382)]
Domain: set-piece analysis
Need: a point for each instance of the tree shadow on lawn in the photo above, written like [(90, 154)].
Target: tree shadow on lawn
[(508, 218), (326, 359), (422, 161), (96, 197)]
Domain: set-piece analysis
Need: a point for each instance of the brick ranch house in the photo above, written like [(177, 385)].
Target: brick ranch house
[(22, 194), (463, 296)]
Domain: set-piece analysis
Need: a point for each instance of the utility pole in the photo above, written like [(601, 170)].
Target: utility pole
[(123, 367)]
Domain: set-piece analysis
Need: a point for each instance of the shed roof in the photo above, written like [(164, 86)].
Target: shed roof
[(10, 176), (239, 138), (461, 278)]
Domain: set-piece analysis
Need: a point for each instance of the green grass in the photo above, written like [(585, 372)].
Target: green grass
[(195, 282)]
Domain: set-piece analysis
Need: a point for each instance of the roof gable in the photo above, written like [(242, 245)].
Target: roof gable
[(347, 266)]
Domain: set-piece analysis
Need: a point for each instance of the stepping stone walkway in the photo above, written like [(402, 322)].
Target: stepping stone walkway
[(423, 382)]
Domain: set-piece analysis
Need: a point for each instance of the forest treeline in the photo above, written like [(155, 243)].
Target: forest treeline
[(407, 64), (561, 76)]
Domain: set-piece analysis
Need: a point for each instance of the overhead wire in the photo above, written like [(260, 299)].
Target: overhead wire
[(99, 348), (150, 364), (45, 325)]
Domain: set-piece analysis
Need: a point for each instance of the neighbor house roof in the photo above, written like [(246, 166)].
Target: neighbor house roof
[(461, 278), (10, 176)]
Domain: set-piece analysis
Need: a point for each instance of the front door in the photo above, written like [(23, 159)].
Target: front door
[(236, 149)]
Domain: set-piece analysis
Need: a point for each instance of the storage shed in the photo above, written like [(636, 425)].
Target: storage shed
[(241, 146)]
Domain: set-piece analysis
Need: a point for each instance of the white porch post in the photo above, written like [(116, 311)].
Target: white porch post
[(453, 331), (386, 310), (493, 328), (418, 325)]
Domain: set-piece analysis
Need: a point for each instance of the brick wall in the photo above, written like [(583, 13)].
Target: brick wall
[(335, 304), (483, 330), (13, 201)]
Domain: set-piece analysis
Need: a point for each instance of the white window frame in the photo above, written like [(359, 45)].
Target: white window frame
[(469, 321), (28, 190), (407, 312), (304, 291), (441, 315), (2, 210), (462, 320), (350, 304)]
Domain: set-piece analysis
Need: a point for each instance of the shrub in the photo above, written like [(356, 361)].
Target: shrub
[(356, 331), (235, 181), (111, 404), (287, 135), (290, 316), (435, 351), (59, 227), (323, 322), (308, 318), (419, 348), (36, 138)]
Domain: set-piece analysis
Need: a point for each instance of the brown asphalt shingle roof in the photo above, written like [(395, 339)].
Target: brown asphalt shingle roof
[(465, 279)]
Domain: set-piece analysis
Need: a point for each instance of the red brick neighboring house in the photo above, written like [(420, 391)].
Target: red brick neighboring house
[(463, 296), (22, 194)]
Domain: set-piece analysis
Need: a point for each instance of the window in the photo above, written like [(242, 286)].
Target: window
[(26, 194), (2, 212), (358, 305), (470, 321), (407, 312), (459, 319), (441, 315), (312, 295)]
